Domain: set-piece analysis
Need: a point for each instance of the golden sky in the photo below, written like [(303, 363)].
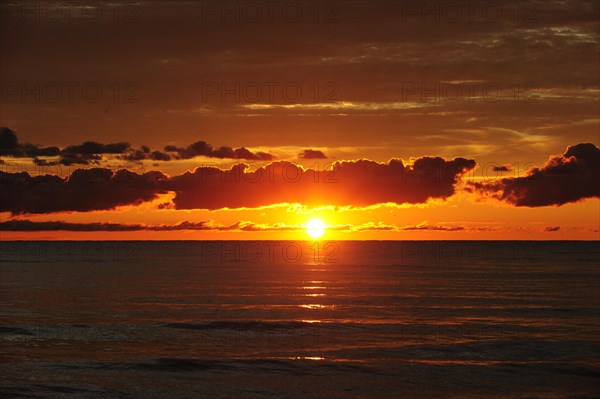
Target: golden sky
[(245, 120)]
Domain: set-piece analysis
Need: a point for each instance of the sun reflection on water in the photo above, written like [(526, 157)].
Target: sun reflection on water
[(317, 306)]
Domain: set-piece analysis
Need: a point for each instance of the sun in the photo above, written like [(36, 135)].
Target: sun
[(315, 228)]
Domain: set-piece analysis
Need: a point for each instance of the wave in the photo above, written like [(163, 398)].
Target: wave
[(14, 331), (296, 366), (241, 325)]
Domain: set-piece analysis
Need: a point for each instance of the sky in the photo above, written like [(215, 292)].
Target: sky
[(247, 119)]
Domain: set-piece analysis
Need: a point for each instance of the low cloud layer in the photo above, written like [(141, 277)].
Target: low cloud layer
[(90, 152), (201, 148), (565, 178), (87, 153), (312, 154), (29, 225), (356, 183), (84, 190), (10, 145)]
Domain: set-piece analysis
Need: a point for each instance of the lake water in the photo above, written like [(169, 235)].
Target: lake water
[(284, 319)]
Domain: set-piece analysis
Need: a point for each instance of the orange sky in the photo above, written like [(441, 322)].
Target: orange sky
[(359, 80)]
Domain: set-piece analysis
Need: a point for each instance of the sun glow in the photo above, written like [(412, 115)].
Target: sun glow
[(315, 228)]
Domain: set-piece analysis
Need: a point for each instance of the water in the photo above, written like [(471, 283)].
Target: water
[(300, 320)]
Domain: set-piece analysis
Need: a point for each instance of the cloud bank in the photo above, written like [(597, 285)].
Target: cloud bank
[(29, 225), (357, 183), (84, 190), (90, 152), (565, 178)]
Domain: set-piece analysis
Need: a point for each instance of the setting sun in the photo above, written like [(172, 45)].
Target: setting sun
[(380, 198), (315, 228)]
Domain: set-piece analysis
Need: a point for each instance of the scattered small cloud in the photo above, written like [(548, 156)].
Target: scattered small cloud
[(312, 154)]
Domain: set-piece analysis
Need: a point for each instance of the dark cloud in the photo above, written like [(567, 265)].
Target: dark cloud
[(201, 148), (92, 147), (138, 155), (70, 159), (90, 152), (312, 154), (8, 139), (502, 168), (565, 178), (144, 152), (84, 190), (159, 156), (371, 52), (357, 183), (552, 228), (9, 145), (83, 154), (79, 159), (28, 225)]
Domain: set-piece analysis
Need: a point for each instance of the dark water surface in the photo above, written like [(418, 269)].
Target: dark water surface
[(286, 319)]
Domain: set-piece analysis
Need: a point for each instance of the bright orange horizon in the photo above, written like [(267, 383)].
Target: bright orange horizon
[(355, 200), (394, 127)]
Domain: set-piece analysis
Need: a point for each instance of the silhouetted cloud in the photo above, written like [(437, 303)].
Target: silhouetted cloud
[(312, 154), (144, 152), (209, 225), (92, 147), (8, 139), (90, 152), (384, 56), (565, 178), (502, 168), (201, 148), (84, 190), (552, 228), (86, 153), (159, 156), (355, 183), (28, 225), (9, 145), (70, 159)]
